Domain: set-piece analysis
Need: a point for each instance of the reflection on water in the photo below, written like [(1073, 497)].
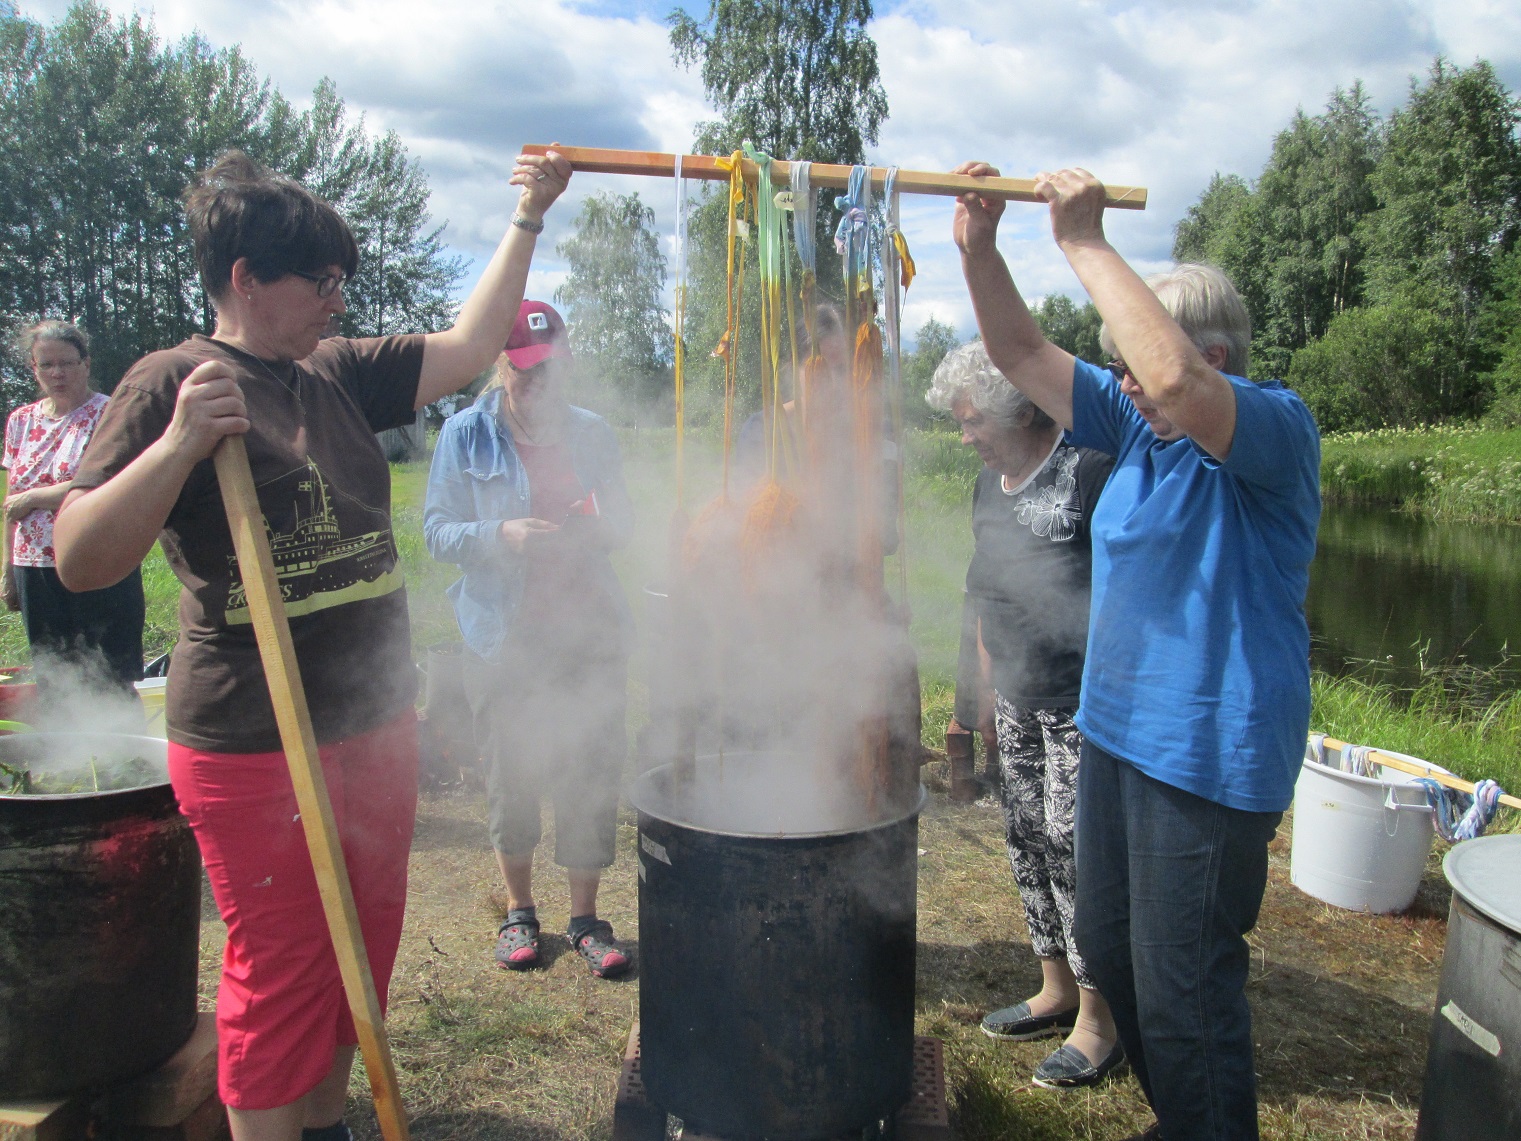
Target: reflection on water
[(1385, 585)]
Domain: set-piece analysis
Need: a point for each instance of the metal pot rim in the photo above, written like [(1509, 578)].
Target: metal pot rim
[(155, 747), (647, 797)]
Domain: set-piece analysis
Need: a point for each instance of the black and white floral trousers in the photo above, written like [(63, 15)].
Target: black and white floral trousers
[(1038, 749)]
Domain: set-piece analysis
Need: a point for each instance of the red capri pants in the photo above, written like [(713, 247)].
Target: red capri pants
[(281, 1009)]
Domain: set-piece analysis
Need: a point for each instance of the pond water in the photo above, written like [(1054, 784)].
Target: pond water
[(1388, 585)]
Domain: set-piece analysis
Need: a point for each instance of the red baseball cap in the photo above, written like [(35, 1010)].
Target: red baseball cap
[(537, 335)]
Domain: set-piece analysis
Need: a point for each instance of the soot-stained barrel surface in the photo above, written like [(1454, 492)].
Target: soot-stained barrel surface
[(776, 940), (100, 907)]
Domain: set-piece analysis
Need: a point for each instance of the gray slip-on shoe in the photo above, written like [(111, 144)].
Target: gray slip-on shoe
[(1017, 1024), (1068, 1068)]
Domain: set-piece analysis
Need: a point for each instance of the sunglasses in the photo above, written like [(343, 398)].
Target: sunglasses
[(1120, 369), (326, 283)]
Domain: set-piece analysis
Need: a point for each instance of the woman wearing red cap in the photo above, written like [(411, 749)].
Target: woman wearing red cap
[(526, 495)]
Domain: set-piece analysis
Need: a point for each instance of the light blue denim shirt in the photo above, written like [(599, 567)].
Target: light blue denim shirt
[(477, 482)]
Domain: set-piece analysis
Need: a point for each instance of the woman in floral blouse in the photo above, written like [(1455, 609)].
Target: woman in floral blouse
[(98, 631), (1028, 585)]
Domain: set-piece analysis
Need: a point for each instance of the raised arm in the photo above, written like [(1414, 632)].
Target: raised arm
[(1015, 344), (102, 533), (458, 354), (1184, 384)]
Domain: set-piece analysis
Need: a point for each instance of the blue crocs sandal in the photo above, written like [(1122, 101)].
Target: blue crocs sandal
[(517, 940)]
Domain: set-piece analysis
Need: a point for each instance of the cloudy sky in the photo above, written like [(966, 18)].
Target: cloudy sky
[(1157, 93)]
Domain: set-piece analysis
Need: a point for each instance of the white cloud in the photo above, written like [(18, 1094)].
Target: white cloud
[(1160, 93), (1156, 94)]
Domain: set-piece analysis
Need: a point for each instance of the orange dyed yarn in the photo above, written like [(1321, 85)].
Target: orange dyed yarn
[(769, 530), (713, 536)]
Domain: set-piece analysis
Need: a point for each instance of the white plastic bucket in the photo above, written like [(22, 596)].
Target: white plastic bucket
[(150, 691), (1360, 842)]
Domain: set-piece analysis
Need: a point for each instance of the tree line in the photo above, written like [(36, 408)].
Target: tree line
[(1378, 255), (102, 127)]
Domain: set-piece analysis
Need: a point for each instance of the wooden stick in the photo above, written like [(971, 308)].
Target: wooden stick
[(278, 654), (1420, 770), (596, 160)]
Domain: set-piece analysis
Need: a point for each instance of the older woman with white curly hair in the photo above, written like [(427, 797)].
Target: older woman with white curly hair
[(1028, 584)]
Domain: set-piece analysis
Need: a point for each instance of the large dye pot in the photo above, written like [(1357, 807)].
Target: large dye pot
[(1473, 1057), (776, 943), (100, 910)]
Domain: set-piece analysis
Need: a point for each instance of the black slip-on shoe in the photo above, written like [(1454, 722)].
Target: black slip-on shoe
[(1017, 1024), (1068, 1068)]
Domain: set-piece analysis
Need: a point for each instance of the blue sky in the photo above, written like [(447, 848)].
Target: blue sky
[(1159, 94)]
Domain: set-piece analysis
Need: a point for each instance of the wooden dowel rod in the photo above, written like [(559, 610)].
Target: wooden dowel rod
[(256, 565), (597, 160), (1414, 769)]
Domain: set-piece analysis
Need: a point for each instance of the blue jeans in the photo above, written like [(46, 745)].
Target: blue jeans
[(1168, 886)]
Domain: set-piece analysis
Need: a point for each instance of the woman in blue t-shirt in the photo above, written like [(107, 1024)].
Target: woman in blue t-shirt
[(1195, 698)]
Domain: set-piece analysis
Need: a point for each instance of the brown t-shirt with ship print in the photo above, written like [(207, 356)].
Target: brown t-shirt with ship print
[(325, 491)]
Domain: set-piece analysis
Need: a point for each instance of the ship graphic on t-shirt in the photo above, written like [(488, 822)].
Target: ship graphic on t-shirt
[(316, 564)]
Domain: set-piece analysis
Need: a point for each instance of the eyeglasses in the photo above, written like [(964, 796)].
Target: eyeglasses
[(57, 366), (1120, 369), (326, 283)]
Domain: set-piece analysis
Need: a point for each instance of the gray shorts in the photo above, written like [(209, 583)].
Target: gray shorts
[(550, 726)]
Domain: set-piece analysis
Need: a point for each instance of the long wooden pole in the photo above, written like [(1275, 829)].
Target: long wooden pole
[(597, 160), (276, 650), (1420, 770)]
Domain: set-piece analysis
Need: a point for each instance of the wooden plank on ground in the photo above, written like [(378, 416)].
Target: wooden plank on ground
[(44, 1120), (167, 1096)]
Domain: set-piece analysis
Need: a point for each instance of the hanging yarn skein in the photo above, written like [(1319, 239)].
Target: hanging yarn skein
[(772, 509), (805, 203), (715, 526), (680, 521), (897, 273), (853, 241)]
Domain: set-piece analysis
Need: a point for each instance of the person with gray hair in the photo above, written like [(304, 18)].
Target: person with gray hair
[(94, 631), (1196, 689), (1028, 587)]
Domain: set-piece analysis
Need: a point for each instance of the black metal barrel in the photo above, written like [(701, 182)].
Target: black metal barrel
[(100, 911), (776, 941)]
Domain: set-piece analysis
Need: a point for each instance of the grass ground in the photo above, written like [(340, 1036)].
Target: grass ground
[(1454, 473), (1342, 1001)]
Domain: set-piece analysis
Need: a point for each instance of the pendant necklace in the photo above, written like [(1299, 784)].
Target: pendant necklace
[(522, 429)]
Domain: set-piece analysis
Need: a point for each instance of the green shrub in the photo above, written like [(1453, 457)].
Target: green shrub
[(1380, 366)]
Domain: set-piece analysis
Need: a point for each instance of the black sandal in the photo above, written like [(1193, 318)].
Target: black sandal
[(517, 942)]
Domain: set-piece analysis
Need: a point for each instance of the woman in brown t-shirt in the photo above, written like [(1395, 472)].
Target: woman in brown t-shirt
[(274, 258)]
